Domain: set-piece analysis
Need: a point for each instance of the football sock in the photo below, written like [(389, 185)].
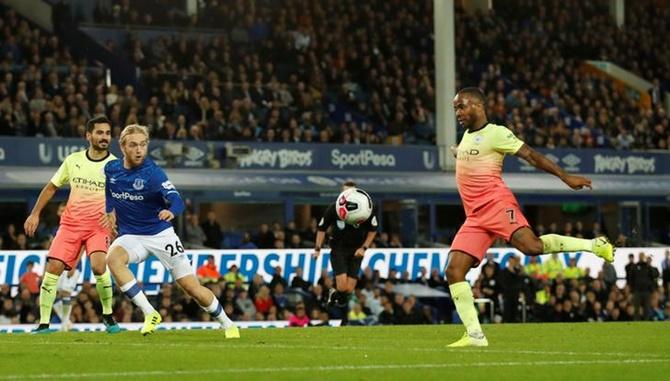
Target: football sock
[(134, 292), (105, 291), (58, 308), (342, 298), (216, 311), (66, 308), (554, 243), (461, 293), (47, 296)]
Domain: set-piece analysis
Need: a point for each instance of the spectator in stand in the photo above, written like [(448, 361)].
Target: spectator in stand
[(512, 282), (665, 267), (630, 269), (10, 237), (299, 282), (572, 271), (247, 242), (535, 270), (208, 272), (212, 231), (299, 318), (245, 306), (233, 276), (553, 267), (263, 302), (265, 239), (277, 278), (642, 285), (30, 279), (195, 236)]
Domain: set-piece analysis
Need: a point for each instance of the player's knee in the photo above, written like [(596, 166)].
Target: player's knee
[(454, 274), (116, 259), (531, 247), (99, 268), (54, 267)]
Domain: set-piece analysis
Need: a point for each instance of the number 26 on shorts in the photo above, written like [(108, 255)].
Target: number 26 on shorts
[(175, 249)]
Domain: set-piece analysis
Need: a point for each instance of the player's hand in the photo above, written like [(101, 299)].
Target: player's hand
[(31, 224), (454, 150), (577, 182), (316, 253), (360, 252), (165, 215)]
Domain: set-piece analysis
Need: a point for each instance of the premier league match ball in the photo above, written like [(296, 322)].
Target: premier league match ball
[(353, 206)]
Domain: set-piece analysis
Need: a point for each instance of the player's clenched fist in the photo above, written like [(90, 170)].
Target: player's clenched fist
[(165, 215)]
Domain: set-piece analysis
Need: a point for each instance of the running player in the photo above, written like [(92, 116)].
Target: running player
[(348, 244), (81, 222), (142, 200), (492, 210)]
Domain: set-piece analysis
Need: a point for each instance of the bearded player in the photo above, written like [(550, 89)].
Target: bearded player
[(81, 223), (491, 209)]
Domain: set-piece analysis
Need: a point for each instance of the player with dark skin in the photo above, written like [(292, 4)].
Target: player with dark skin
[(491, 209), (470, 114)]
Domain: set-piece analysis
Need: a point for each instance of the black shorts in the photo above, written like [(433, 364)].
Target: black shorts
[(344, 261)]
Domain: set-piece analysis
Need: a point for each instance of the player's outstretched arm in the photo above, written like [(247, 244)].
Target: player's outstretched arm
[(34, 218), (540, 161)]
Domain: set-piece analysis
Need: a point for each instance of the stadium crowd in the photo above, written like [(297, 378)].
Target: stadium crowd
[(545, 292), (286, 72)]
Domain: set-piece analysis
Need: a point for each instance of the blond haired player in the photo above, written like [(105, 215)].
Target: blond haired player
[(142, 201)]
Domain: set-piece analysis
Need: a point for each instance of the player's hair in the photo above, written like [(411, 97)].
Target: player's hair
[(98, 119), (349, 184), (133, 129), (475, 93)]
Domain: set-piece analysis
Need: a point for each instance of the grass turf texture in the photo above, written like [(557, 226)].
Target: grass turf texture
[(612, 351)]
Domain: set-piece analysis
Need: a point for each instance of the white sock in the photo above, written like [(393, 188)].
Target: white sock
[(133, 291), (216, 310), (58, 309), (66, 309)]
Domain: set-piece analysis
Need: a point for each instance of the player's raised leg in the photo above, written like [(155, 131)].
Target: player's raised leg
[(118, 260), (209, 303), (461, 293), (528, 243)]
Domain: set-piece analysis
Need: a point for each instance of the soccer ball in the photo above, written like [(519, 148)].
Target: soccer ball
[(353, 206)]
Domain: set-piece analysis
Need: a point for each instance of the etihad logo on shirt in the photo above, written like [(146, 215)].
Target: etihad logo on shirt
[(127, 196), (88, 182), (466, 154)]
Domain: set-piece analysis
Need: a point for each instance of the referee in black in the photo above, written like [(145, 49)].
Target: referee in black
[(347, 248)]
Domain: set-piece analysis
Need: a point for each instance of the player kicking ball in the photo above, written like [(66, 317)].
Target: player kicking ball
[(82, 222), (492, 210), (141, 202)]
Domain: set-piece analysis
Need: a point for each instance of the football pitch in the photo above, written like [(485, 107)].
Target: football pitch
[(586, 351)]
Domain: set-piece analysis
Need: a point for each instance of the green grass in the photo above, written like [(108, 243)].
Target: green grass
[(612, 351)]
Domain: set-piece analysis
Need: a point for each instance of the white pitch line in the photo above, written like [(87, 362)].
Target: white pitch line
[(326, 368), (354, 348)]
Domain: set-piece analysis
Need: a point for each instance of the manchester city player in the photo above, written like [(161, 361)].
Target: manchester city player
[(141, 202)]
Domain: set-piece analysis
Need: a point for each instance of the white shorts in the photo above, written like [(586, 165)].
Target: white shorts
[(165, 245), (67, 284)]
